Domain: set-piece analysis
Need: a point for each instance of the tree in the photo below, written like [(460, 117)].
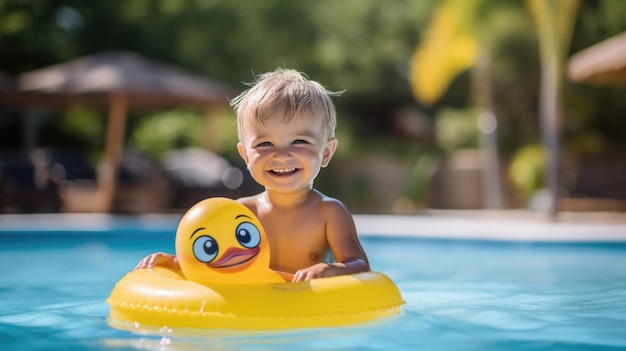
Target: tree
[(455, 42), (554, 20)]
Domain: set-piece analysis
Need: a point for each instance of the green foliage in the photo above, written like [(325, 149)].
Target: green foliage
[(164, 131), (515, 80), (526, 170), (228, 134), (157, 133), (457, 128), (78, 128), (420, 176), (86, 122), (358, 45)]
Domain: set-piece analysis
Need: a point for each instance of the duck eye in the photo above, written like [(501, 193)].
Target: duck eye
[(205, 249), (248, 235)]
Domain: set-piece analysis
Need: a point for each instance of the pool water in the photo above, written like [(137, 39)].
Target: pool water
[(460, 295)]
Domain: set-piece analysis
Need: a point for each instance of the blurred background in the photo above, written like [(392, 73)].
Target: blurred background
[(123, 106)]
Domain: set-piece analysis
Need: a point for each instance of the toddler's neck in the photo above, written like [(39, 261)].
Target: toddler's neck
[(287, 199)]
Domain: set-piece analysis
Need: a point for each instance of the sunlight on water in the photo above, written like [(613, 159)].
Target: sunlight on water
[(459, 295)]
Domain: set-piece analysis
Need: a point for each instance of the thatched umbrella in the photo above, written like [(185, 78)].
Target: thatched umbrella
[(602, 64), (117, 81)]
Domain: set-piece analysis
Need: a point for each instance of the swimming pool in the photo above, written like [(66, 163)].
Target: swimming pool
[(460, 293)]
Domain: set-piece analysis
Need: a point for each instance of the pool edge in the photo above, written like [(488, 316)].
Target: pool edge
[(504, 226)]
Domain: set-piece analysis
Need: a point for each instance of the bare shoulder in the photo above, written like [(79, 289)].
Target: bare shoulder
[(249, 201), (332, 208)]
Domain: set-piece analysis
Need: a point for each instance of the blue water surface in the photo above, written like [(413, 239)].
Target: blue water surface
[(460, 295)]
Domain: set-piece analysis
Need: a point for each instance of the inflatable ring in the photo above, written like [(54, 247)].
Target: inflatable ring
[(164, 298), (225, 282)]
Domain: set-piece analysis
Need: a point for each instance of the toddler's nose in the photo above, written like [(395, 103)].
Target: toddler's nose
[(282, 153)]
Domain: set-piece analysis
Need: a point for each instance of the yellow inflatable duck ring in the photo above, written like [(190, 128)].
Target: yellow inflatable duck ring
[(225, 283), (221, 241)]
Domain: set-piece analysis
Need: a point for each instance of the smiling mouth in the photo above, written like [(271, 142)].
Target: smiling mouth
[(283, 171), (235, 257)]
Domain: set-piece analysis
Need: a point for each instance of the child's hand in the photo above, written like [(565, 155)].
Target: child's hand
[(324, 270), (159, 259), (313, 272)]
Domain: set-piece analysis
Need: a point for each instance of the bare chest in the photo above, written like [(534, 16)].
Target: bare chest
[(296, 239)]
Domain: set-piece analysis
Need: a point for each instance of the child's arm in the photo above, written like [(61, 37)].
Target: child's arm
[(344, 243), (159, 259)]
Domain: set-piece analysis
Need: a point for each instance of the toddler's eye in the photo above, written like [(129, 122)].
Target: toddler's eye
[(300, 141), (264, 144)]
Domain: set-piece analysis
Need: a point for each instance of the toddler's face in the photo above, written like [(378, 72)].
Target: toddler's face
[(285, 157)]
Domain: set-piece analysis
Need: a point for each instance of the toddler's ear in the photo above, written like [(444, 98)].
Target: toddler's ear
[(329, 151), (242, 152)]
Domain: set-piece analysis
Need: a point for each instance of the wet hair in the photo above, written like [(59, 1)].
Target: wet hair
[(286, 94)]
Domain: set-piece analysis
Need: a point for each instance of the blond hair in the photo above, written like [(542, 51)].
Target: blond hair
[(286, 94)]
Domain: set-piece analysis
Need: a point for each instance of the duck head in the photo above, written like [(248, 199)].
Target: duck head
[(220, 241)]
